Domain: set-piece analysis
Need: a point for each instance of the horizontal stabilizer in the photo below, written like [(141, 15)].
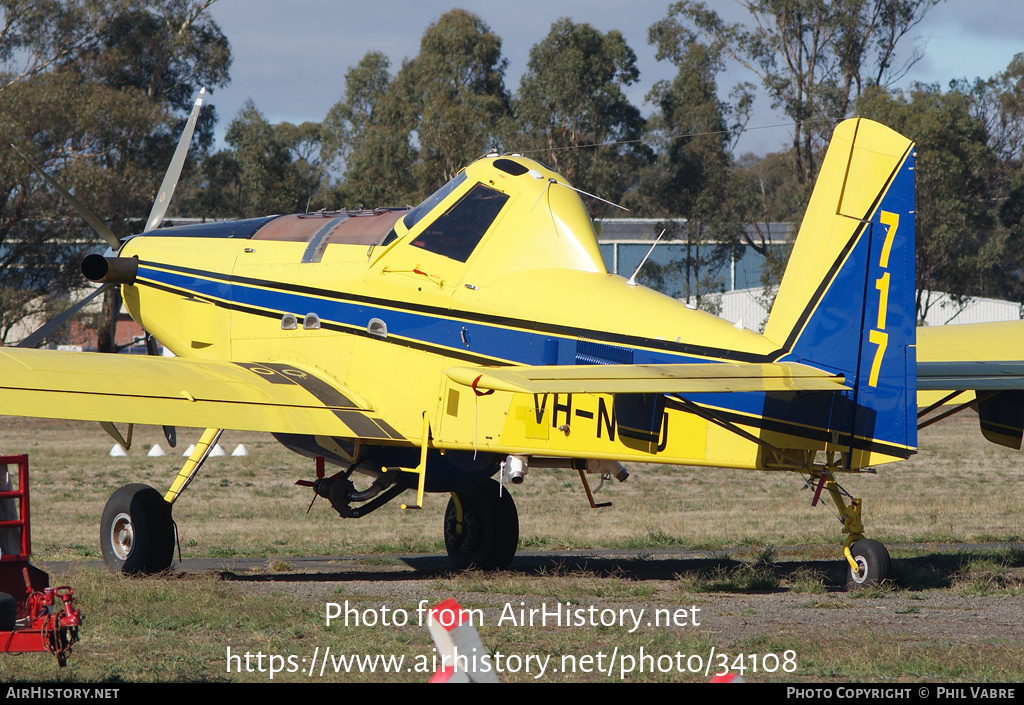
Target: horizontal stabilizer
[(983, 361), (634, 379)]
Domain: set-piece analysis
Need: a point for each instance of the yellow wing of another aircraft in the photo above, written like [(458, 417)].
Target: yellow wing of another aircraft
[(976, 365), (259, 396), (615, 379), (977, 350)]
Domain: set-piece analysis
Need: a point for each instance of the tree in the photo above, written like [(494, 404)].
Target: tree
[(369, 133), (451, 96), (309, 171), (166, 49), (80, 133), (44, 35), (571, 109), (456, 87), (266, 168), (133, 64), (999, 104), (690, 177), (814, 58), (958, 239)]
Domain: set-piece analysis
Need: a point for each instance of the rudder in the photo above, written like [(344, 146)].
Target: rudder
[(846, 302)]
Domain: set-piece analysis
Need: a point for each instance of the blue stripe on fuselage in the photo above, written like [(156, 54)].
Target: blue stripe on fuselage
[(498, 344)]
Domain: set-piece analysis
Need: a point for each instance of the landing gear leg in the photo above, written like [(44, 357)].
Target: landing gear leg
[(136, 531), (868, 562), (481, 527)]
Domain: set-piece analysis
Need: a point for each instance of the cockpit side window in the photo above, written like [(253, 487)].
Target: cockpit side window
[(417, 213), (457, 232)]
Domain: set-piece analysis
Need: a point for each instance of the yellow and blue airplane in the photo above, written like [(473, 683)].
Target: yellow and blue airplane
[(479, 334)]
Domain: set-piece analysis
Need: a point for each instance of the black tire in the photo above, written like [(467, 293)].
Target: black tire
[(874, 565), (489, 534), (8, 612), (137, 532)]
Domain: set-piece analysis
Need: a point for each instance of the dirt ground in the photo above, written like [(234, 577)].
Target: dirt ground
[(821, 630), (919, 615)]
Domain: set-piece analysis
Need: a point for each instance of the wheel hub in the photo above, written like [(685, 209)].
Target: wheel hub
[(860, 575), (122, 536)]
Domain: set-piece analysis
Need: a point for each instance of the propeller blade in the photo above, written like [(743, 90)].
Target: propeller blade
[(83, 210), (47, 329), (163, 199)]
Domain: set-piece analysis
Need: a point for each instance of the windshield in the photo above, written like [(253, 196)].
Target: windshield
[(417, 213), (457, 231)]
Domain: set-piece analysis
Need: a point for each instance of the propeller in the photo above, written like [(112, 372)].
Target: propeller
[(83, 210), (51, 326), (156, 217), (163, 198)]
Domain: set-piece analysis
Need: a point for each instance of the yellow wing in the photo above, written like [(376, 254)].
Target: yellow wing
[(982, 361), (625, 379), (971, 356), (256, 396)]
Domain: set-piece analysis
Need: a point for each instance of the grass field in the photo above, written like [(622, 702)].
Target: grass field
[(776, 600)]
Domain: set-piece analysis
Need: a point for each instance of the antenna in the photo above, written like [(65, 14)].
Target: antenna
[(579, 190), (632, 279), (537, 175)]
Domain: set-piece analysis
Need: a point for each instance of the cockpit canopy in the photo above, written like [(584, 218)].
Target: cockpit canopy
[(505, 214), (497, 216)]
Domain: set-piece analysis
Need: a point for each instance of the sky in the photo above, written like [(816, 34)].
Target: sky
[(290, 58)]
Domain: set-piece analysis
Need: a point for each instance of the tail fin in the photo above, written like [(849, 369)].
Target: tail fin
[(846, 302)]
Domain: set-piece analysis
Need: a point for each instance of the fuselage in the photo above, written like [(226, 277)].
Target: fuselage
[(499, 267)]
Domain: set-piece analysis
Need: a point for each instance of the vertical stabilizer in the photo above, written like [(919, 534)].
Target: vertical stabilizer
[(846, 302)]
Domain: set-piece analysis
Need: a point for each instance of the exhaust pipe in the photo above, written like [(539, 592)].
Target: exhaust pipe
[(110, 270)]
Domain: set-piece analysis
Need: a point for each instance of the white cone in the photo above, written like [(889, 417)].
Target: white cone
[(156, 451), (239, 451), (217, 451), (188, 451), (117, 451)]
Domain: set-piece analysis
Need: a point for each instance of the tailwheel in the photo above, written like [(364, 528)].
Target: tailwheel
[(873, 565), (136, 531), (481, 527)]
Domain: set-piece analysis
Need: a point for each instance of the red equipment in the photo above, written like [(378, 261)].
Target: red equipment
[(33, 615)]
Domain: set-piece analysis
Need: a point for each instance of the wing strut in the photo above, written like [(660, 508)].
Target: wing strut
[(199, 454)]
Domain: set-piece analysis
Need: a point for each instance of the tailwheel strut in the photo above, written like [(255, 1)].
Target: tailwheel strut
[(868, 561)]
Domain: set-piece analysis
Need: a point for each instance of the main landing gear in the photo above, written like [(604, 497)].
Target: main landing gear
[(137, 532), (481, 527), (873, 565)]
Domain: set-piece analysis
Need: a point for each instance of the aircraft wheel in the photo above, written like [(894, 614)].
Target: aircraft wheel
[(136, 532), (873, 564), (489, 534)]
